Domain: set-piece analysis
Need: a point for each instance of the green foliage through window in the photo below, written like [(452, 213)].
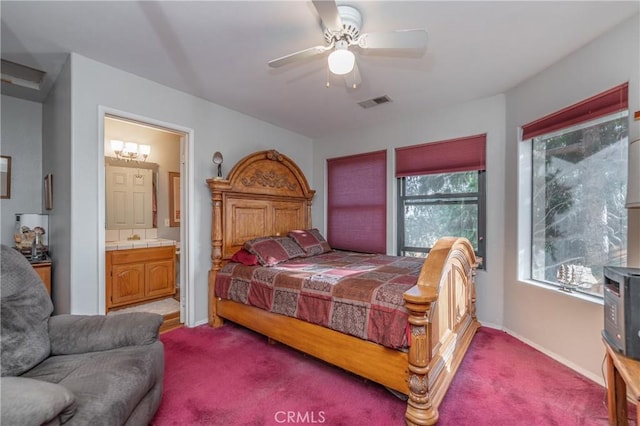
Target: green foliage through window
[(439, 205)]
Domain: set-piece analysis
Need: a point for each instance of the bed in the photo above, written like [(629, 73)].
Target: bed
[(266, 194)]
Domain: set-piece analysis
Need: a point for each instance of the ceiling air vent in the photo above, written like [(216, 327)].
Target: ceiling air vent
[(21, 75), (374, 101)]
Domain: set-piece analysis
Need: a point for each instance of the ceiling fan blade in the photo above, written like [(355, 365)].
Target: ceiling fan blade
[(352, 79), (402, 39), (302, 54), (328, 11)]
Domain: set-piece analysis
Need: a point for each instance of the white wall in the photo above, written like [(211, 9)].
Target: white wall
[(215, 128), (565, 327), (472, 118), (22, 141)]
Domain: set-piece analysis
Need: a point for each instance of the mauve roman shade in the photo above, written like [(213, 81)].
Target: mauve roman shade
[(357, 202), (449, 156), (608, 102)]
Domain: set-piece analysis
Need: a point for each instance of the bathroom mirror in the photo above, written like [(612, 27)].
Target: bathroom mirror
[(131, 194), (5, 176)]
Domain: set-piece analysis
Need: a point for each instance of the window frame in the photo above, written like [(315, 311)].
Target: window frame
[(605, 103), (479, 195), (528, 146)]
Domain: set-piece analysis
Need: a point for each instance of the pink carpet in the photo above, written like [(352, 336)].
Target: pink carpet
[(231, 376), (503, 381)]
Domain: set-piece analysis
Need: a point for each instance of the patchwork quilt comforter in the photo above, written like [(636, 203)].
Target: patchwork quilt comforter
[(354, 293)]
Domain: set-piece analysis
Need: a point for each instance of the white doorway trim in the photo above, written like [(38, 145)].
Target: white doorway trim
[(187, 238)]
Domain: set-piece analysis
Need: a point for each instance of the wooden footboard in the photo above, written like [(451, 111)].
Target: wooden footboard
[(443, 321), (267, 194)]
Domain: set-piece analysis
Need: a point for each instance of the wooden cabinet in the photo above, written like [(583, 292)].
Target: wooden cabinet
[(622, 374), (139, 275), (44, 271), (128, 282)]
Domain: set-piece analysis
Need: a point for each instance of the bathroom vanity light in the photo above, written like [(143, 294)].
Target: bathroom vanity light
[(130, 150)]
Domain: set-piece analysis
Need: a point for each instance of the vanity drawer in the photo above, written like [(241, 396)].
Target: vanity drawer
[(142, 254)]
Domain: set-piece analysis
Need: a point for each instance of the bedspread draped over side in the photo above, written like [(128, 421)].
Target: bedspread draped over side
[(354, 293)]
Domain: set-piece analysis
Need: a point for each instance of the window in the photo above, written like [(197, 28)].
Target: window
[(357, 202), (434, 206), (441, 192), (578, 190), (579, 220)]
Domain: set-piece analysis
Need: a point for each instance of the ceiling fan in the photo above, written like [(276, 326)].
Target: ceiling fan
[(341, 26)]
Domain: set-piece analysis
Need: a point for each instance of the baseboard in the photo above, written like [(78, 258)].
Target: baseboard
[(491, 325)]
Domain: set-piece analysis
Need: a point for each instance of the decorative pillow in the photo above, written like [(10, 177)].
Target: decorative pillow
[(273, 250), (244, 257), (311, 241)]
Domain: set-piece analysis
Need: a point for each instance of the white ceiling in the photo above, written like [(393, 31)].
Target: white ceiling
[(218, 50)]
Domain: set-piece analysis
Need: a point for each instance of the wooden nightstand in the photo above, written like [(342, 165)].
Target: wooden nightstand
[(43, 268), (623, 374)]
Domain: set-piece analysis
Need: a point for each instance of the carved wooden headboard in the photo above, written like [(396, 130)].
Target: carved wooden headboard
[(264, 194)]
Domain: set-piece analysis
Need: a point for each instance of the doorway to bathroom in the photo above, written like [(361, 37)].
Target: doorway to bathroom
[(144, 219)]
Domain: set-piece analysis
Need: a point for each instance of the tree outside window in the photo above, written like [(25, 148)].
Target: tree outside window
[(437, 205), (579, 220)]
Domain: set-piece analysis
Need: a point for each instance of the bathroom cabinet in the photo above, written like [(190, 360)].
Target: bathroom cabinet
[(139, 275)]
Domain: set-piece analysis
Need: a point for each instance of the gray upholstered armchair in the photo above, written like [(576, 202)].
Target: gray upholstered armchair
[(73, 369)]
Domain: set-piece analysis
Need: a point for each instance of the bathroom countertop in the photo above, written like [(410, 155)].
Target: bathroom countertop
[(136, 244)]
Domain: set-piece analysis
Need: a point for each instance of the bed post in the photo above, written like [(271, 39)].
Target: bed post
[(420, 411), (216, 250)]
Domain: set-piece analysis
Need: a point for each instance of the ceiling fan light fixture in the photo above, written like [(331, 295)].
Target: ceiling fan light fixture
[(341, 62), (341, 29)]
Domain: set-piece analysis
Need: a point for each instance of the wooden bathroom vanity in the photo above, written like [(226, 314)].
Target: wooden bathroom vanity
[(139, 275)]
